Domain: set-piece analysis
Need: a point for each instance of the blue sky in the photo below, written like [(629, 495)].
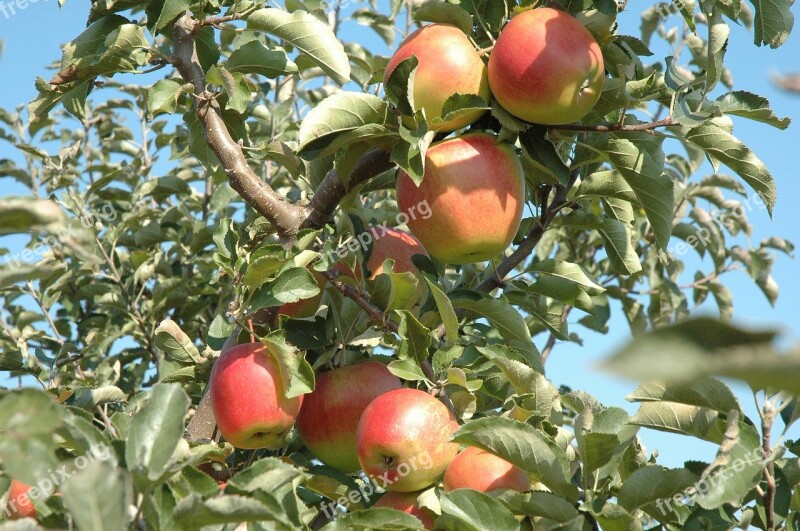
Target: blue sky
[(33, 35)]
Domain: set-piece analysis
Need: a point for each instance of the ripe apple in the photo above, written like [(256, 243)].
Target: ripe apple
[(478, 469), (475, 188), (546, 67), (304, 307), (395, 244), (403, 440), (329, 417), (247, 397), (407, 502), (448, 64), (19, 505)]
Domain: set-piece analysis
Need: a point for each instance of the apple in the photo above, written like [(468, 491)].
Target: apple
[(329, 417), (19, 505), (247, 397), (407, 502), (448, 64), (474, 186), (478, 469), (546, 67), (396, 244), (304, 307), (403, 440)]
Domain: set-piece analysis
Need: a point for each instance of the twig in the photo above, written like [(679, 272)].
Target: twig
[(610, 128), (769, 470), (551, 341)]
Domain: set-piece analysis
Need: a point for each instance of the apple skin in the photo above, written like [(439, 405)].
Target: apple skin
[(448, 64), (396, 244), (247, 398), (478, 469), (329, 417), (407, 502), (19, 505), (475, 188), (305, 307), (403, 436), (546, 67)]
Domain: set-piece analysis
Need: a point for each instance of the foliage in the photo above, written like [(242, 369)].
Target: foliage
[(166, 218)]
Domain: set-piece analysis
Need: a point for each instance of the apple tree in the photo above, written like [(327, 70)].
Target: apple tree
[(270, 196)]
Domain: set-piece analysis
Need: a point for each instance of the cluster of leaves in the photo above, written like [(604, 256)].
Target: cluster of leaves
[(143, 261)]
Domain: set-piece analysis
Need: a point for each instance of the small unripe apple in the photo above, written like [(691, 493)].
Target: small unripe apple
[(407, 502), (403, 440), (395, 244), (248, 400), (448, 64), (546, 67), (19, 505), (478, 469), (474, 186), (329, 417)]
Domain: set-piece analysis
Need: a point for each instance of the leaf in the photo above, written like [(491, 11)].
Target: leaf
[(161, 12), (416, 338), (773, 22), (543, 154), (309, 35), (376, 519), (296, 373), (408, 370), (524, 446), (653, 483), (338, 114), (155, 432), (255, 58), (458, 105), (567, 271), (175, 343), (163, 97), (446, 312), (718, 33), (751, 106), (192, 512), (522, 377), (702, 423), (542, 504), (446, 14), (98, 497), (89, 398), (503, 316), (703, 392), (722, 147), (470, 510), (292, 285), (616, 235), (20, 215)]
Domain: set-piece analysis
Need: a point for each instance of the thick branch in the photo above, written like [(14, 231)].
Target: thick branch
[(769, 469), (609, 128), (331, 190), (283, 215)]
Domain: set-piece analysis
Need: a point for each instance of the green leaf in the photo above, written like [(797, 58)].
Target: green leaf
[(410, 152), (543, 155), (192, 512), (395, 291), (89, 398), (20, 215), (163, 97), (543, 504), (98, 497), (751, 106), (522, 377), (446, 312), (703, 392), (161, 12), (524, 446), (309, 35), (175, 343), (376, 519), (699, 422), (652, 483), (296, 373), (773, 22), (155, 432), (616, 235), (470, 510), (502, 315), (416, 338), (338, 114), (722, 147), (292, 285), (457, 105), (446, 14), (408, 370), (255, 58)]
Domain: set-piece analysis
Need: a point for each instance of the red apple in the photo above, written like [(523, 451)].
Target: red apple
[(448, 64), (475, 188), (546, 67), (247, 396), (329, 417), (19, 505), (407, 502), (403, 440), (478, 469), (395, 244), (305, 307)]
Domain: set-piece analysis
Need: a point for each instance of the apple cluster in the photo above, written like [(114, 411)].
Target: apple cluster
[(545, 68)]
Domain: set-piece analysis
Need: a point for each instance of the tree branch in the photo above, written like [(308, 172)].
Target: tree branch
[(767, 420), (283, 215), (610, 128)]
